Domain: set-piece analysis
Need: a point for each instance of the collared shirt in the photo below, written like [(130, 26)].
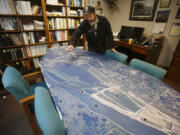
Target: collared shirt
[(95, 23)]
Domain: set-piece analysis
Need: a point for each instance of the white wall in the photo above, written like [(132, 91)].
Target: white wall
[(121, 17)]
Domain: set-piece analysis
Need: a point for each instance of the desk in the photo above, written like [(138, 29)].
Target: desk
[(99, 96), (151, 53)]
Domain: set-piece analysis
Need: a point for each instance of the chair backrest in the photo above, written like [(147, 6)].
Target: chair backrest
[(46, 113), (116, 56), (15, 83), (148, 68)]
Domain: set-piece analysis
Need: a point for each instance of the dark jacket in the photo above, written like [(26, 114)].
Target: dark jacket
[(98, 42)]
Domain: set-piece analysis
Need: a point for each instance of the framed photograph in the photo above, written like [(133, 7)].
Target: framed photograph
[(178, 14), (175, 29), (165, 3), (162, 16), (178, 2), (143, 10)]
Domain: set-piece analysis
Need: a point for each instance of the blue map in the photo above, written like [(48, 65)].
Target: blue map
[(96, 95)]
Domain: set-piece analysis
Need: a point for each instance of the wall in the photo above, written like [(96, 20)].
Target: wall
[(121, 17)]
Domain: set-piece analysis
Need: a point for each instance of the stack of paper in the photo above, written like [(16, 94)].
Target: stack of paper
[(38, 24), (23, 7), (52, 2)]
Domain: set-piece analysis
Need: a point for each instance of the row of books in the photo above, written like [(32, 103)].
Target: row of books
[(10, 39), (57, 23), (33, 37), (36, 50), (13, 53), (71, 12), (7, 7), (54, 2), (58, 36), (75, 3), (21, 66), (23, 7), (74, 23), (57, 13), (9, 23), (56, 45), (31, 24), (17, 53)]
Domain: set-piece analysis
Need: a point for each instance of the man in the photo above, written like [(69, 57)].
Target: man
[(97, 30)]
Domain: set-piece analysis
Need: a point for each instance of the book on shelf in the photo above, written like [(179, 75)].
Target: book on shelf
[(23, 7), (52, 2), (33, 37), (10, 39), (78, 12), (5, 40), (17, 39), (8, 23), (36, 9), (7, 7), (58, 36), (12, 54), (73, 23), (57, 13), (55, 45), (77, 3), (37, 50), (38, 24), (57, 23)]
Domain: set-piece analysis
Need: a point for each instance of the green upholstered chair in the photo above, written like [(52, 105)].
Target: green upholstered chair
[(116, 56), (148, 68), (15, 83), (46, 113)]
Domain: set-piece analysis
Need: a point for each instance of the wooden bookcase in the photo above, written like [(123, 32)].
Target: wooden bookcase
[(34, 42)]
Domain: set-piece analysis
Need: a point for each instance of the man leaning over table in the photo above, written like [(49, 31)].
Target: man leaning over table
[(97, 30)]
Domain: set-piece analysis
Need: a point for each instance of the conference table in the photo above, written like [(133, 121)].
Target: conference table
[(96, 95)]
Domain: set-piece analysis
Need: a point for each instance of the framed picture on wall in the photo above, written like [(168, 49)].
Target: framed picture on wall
[(175, 29), (162, 16), (178, 14), (165, 3), (178, 2), (143, 10)]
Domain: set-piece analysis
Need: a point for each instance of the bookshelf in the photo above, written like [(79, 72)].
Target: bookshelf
[(29, 27)]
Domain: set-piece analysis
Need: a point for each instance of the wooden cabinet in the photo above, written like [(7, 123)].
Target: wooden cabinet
[(149, 54)]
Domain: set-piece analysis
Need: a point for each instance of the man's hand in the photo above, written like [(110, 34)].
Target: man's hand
[(114, 50), (70, 48)]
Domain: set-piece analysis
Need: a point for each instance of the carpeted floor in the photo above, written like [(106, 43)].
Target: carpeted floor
[(12, 118)]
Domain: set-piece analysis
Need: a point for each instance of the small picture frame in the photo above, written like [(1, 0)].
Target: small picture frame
[(175, 30), (178, 2), (165, 3), (178, 14), (162, 16)]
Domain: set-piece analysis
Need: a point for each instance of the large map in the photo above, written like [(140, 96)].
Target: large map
[(100, 96)]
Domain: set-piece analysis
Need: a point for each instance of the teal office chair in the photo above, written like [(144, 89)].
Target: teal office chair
[(46, 113), (148, 68), (17, 86), (116, 56)]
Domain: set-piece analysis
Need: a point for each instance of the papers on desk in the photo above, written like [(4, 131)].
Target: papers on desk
[(159, 28)]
